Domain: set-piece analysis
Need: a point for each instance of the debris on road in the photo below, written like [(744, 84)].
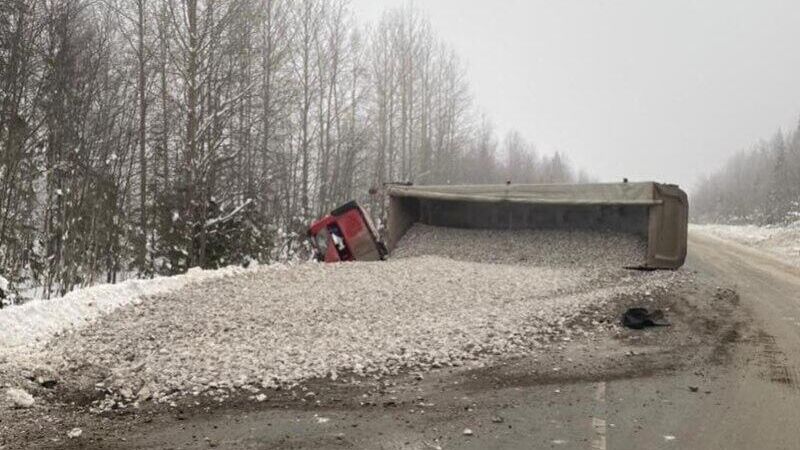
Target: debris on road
[(47, 383), (640, 318), (74, 433), (467, 432)]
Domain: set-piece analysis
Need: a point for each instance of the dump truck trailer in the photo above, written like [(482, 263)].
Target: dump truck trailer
[(658, 213)]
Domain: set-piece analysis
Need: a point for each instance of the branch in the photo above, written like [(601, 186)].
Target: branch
[(211, 222)]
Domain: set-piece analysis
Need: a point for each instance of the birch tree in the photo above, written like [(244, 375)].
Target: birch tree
[(142, 137)]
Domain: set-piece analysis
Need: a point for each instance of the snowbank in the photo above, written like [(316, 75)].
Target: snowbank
[(34, 322), (781, 241)]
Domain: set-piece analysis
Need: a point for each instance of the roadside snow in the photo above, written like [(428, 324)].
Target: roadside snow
[(279, 325), (25, 326), (781, 241)]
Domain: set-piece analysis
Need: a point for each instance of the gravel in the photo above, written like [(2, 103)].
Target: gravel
[(19, 398), (549, 248), (446, 298)]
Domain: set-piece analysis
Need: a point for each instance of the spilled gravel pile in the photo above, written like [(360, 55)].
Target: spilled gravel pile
[(279, 325), (548, 248)]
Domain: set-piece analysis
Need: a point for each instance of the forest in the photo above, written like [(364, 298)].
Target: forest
[(758, 186), (144, 137)]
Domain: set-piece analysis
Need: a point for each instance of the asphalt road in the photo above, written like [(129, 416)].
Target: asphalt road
[(750, 399), (760, 407), (755, 401)]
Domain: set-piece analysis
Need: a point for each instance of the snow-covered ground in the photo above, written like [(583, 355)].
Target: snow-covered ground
[(447, 297), (27, 326), (781, 241)]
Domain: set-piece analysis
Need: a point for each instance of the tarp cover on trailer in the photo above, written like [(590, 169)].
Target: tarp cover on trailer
[(657, 212), (576, 194)]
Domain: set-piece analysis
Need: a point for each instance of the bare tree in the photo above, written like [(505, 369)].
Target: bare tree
[(757, 186), (141, 137)]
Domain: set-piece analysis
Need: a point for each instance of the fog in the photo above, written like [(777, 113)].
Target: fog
[(644, 90), (149, 137)]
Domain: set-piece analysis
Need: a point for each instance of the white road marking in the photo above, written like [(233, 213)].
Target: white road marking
[(600, 393), (598, 423)]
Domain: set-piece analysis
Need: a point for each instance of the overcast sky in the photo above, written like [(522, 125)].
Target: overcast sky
[(661, 90)]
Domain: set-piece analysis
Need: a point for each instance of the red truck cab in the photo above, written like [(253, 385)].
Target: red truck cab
[(346, 234)]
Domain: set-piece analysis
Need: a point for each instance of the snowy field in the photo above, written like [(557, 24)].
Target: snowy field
[(781, 241), (447, 298)]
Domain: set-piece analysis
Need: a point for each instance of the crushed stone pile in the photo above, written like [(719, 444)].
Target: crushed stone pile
[(550, 248), (279, 325)]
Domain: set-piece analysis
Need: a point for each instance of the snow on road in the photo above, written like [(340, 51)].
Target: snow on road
[(781, 241)]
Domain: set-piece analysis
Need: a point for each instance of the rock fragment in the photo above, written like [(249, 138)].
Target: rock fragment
[(19, 398)]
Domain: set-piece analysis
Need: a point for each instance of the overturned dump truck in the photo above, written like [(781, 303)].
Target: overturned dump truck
[(346, 234), (656, 212)]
